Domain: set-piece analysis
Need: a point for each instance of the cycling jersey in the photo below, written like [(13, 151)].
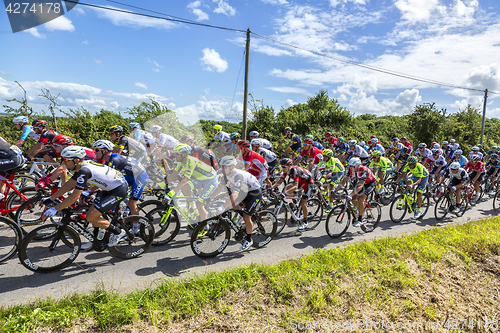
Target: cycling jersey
[(266, 144), (479, 167), (258, 165), (363, 174), (28, 131), (205, 155), (168, 141), (194, 168), (454, 146), (418, 171), (298, 174), (126, 165), (359, 152), (342, 147), (471, 154), (7, 150), (221, 137), (378, 147), (407, 144), (384, 163), (331, 141), (425, 152), (241, 181), (11, 157), (268, 155), (461, 175), (100, 175), (462, 160), (318, 145), (131, 147), (333, 164), (396, 146), (313, 153), (47, 136), (440, 161), (144, 137)]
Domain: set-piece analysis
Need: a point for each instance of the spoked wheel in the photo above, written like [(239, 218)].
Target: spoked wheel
[(166, 222), (426, 202), (398, 209), (274, 205), (337, 221), (442, 207), (49, 248), (389, 192), (133, 245), (30, 212), (496, 202), (264, 228), (15, 199), (314, 213), (10, 237), (210, 238), (371, 216)]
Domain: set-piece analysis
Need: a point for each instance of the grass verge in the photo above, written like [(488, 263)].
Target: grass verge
[(434, 276)]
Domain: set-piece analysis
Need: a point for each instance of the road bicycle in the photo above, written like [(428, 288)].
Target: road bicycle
[(407, 203), (447, 201), (10, 235), (52, 247), (338, 220), (211, 236), (11, 202), (471, 193)]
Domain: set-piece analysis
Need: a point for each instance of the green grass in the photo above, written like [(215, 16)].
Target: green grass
[(317, 285)]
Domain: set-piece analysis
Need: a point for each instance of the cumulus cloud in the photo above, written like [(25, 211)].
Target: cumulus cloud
[(114, 105), (60, 23), (34, 32), (194, 6), (213, 109), (288, 103), (212, 61), (292, 90), (5, 73), (122, 18), (405, 102), (141, 85), (224, 8), (416, 10), (275, 2)]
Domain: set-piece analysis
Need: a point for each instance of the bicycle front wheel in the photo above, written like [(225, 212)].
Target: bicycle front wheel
[(371, 216), (132, 245), (167, 224), (210, 238), (264, 228), (398, 208), (49, 248), (15, 199), (496, 202), (30, 214), (10, 237), (314, 213), (442, 207), (337, 221)]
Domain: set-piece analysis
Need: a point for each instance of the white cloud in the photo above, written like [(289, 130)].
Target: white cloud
[(290, 90), (86, 42), (416, 10), (157, 70), (214, 109), (139, 97), (114, 105), (34, 32), (275, 2), (60, 23), (156, 67), (141, 85), (202, 16), (5, 73), (124, 19), (288, 103), (212, 61), (335, 3), (224, 8), (98, 61), (405, 102), (79, 10)]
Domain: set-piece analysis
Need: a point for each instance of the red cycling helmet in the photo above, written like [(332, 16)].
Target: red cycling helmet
[(61, 139), (39, 123), (244, 144), (187, 138), (328, 134), (308, 141)]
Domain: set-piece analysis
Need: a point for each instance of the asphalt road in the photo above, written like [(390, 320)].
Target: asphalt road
[(176, 260)]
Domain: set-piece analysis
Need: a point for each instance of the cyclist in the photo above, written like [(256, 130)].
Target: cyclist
[(481, 150), (374, 144), (458, 179), (315, 144), (300, 177), (330, 141), (45, 140), (113, 190), (366, 182), (424, 152), (203, 154), (402, 157), (439, 163), (476, 171), (446, 150), (294, 147), (163, 142), (333, 172), (342, 149), (264, 143), (235, 137), (21, 124), (245, 193), (356, 151), (395, 147), (222, 140), (475, 152), (196, 175), (407, 144), (454, 147), (255, 164), (384, 165), (493, 166), (363, 145), (268, 155), (11, 158), (58, 144), (134, 172), (313, 155), (142, 136), (419, 177), (127, 146), (458, 157)]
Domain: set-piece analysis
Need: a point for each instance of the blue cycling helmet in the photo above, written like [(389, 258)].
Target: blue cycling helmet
[(134, 125)]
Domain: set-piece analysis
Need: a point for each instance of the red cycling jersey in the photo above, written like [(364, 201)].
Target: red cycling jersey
[(47, 136), (331, 140), (479, 167), (313, 152), (299, 175), (364, 173), (258, 165)]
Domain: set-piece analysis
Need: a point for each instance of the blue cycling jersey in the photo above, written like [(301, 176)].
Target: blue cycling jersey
[(28, 131), (318, 145)]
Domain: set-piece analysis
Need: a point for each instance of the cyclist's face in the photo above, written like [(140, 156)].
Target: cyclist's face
[(252, 137), (70, 164), (113, 136), (454, 170), (255, 147), (18, 126)]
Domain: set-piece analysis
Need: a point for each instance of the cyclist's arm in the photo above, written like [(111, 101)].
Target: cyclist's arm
[(278, 182), (19, 142), (34, 150), (72, 198), (358, 188)]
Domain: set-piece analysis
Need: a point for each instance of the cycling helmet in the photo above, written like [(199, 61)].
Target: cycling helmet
[(103, 144), (422, 145), (376, 153), (395, 140), (218, 128), (354, 162), (480, 146), (308, 141), (61, 139), (328, 134), (405, 149), (452, 141), (329, 152), (255, 134), (39, 123), (494, 156), (340, 139), (475, 148), (228, 160), (20, 120), (411, 160), (445, 142), (285, 162), (458, 152), (134, 125), (475, 158), (352, 143), (436, 146), (256, 142), (374, 140), (116, 129), (433, 143), (72, 152), (435, 151), (155, 128), (404, 138), (181, 148), (362, 143), (187, 138), (288, 129), (309, 136), (244, 144), (372, 136), (235, 135), (455, 166)]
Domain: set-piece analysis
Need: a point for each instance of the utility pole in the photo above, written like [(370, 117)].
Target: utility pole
[(245, 98), (484, 114)]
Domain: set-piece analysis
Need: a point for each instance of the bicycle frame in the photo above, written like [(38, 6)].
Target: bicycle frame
[(10, 186)]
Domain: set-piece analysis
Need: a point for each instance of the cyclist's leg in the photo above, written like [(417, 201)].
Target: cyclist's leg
[(207, 186), (104, 202), (138, 185), (420, 190), (7, 164)]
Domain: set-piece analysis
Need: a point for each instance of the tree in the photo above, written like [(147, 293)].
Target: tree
[(426, 122)]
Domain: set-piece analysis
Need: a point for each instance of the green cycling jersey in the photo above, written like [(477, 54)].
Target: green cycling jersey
[(418, 171)]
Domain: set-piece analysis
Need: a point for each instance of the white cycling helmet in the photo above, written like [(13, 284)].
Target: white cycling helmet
[(134, 125), (256, 142), (155, 128), (362, 143), (355, 161), (455, 166), (374, 140), (255, 134), (228, 160), (103, 144), (72, 152), (352, 143), (20, 120)]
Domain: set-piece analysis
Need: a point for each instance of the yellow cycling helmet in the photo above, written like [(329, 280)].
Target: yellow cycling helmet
[(327, 152), (218, 128), (376, 153), (182, 148)]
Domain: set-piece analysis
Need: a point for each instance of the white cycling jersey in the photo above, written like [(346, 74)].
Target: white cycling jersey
[(360, 152), (168, 141), (100, 175), (266, 144), (241, 181), (222, 137), (268, 155)]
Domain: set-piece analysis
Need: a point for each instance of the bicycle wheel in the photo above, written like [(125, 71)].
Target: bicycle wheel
[(389, 193), (426, 202), (43, 251), (371, 216), (132, 246), (167, 224), (10, 237), (464, 204), (22, 181), (210, 238), (496, 202), (15, 199), (314, 213), (264, 228), (442, 207), (398, 209), (337, 221), (147, 206)]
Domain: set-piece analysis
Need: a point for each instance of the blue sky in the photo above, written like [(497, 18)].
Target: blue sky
[(103, 59)]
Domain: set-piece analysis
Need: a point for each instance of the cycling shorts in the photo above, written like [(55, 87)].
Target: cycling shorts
[(107, 200), (335, 178), (137, 183), (474, 174), (296, 148), (250, 202), (307, 188), (272, 166), (7, 164), (422, 184), (207, 186), (369, 187), (455, 181)]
